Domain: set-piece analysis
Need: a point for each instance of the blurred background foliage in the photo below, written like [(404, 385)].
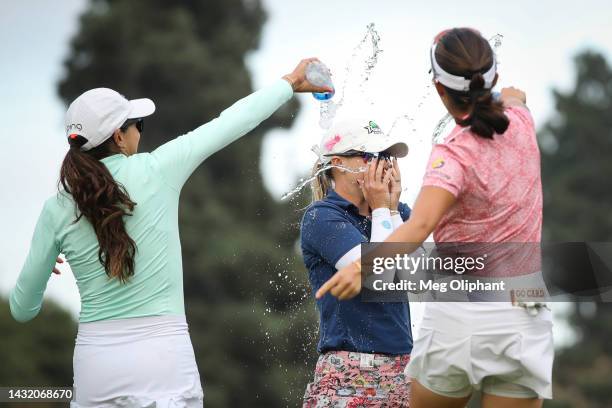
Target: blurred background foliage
[(576, 167), (252, 320)]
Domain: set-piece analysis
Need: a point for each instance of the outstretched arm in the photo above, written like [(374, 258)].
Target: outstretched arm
[(178, 158), (26, 297), (431, 205)]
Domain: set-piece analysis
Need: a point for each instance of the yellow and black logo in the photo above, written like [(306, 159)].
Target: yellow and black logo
[(438, 163)]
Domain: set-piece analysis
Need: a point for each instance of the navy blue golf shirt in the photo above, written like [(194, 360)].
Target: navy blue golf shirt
[(330, 228)]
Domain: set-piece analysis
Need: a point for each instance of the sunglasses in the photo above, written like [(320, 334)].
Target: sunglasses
[(138, 122), (366, 156)]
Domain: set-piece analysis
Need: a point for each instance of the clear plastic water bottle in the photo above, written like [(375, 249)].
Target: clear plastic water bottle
[(319, 75)]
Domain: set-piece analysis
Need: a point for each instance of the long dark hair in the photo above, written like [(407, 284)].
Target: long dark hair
[(464, 52), (103, 202)]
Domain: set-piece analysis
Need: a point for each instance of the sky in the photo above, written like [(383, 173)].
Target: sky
[(540, 41)]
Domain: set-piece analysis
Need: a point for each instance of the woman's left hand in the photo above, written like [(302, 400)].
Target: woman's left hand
[(55, 270), (345, 284), (513, 96), (395, 186)]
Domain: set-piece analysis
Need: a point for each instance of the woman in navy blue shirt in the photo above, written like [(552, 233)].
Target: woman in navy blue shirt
[(364, 346)]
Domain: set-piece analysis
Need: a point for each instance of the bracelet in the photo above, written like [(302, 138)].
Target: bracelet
[(291, 82), (357, 263), (394, 212)]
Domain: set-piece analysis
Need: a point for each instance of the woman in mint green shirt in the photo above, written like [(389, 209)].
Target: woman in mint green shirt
[(116, 222)]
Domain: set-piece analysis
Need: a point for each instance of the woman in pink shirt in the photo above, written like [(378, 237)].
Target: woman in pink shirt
[(482, 185)]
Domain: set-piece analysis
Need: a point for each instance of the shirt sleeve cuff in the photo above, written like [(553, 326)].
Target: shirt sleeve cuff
[(382, 225), (284, 87), (434, 182), (381, 212), (397, 221)]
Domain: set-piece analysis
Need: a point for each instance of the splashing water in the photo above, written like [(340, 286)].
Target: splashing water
[(496, 41), (437, 136), (372, 60), (329, 108), (410, 118), (327, 113), (304, 182), (406, 117)]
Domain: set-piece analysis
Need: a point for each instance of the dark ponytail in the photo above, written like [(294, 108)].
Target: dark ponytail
[(464, 52), (103, 202)]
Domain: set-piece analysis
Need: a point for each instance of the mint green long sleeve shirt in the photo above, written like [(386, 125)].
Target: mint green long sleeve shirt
[(153, 180)]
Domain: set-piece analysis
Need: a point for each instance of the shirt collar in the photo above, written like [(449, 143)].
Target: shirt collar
[(336, 199), (457, 130), (113, 157)]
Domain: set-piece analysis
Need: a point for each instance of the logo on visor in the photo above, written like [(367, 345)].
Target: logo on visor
[(373, 128)]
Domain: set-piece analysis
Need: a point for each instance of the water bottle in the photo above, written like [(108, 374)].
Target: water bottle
[(319, 75)]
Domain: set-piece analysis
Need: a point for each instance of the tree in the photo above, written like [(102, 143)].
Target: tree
[(244, 283), (575, 166), (575, 157), (38, 353)]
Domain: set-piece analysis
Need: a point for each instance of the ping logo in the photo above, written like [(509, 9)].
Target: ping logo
[(74, 126)]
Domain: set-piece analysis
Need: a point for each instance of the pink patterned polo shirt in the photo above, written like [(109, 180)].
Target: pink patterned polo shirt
[(496, 182)]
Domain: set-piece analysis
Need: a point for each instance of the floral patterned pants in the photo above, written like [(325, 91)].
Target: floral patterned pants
[(353, 380)]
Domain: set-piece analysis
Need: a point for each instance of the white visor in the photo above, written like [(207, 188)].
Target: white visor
[(459, 83)]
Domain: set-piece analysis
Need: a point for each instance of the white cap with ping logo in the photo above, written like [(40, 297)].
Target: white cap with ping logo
[(97, 113)]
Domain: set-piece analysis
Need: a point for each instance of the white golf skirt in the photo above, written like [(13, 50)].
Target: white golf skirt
[(138, 362), (495, 347)]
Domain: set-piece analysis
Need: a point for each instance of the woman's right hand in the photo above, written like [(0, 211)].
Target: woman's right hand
[(375, 184), (395, 185), (298, 80), (344, 284)]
